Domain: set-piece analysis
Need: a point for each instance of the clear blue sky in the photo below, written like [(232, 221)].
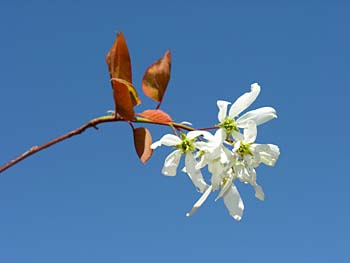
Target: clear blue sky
[(90, 200)]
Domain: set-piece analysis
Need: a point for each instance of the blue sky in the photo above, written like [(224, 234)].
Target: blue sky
[(90, 200)]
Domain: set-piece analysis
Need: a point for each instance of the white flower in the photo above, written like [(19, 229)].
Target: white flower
[(251, 155), (248, 175), (218, 158), (212, 151), (259, 116), (185, 145), (214, 154), (230, 195), (227, 158)]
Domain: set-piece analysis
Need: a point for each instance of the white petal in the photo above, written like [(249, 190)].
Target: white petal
[(268, 153), (193, 134), (256, 157), (208, 136), (259, 193), (186, 123), (170, 140), (194, 174), (250, 177), (233, 203), (225, 156), (274, 150), (200, 201), (224, 188), (250, 132), (259, 116), (236, 146), (244, 101), (222, 109), (171, 163), (242, 173), (203, 146), (202, 162), (248, 161), (237, 135), (228, 153), (156, 144), (212, 148), (219, 136), (216, 171)]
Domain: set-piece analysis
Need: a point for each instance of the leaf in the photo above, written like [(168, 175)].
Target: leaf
[(123, 101), (133, 93), (156, 78), (156, 116), (118, 59), (119, 66), (142, 142)]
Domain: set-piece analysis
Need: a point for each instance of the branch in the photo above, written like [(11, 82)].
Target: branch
[(91, 124)]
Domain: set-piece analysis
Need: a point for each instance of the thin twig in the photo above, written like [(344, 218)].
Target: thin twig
[(91, 124)]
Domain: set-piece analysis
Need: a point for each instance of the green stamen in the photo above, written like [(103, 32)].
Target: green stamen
[(229, 125), (225, 180), (244, 149), (186, 145)]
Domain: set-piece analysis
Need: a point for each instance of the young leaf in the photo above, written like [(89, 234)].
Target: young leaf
[(119, 66), (156, 78), (123, 100), (143, 141), (118, 59), (133, 94), (156, 116)]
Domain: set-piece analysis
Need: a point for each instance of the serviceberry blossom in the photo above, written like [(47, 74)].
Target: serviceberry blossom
[(184, 145), (218, 158), (229, 154), (250, 155), (254, 154), (229, 122)]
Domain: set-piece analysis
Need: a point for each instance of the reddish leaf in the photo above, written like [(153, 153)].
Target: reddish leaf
[(156, 116), (156, 78), (119, 66), (133, 94), (123, 100), (143, 141), (118, 59)]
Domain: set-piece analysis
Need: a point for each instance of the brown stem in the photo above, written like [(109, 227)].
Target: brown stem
[(93, 123)]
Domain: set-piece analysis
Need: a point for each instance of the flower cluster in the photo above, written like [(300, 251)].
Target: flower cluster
[(230, 154)]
